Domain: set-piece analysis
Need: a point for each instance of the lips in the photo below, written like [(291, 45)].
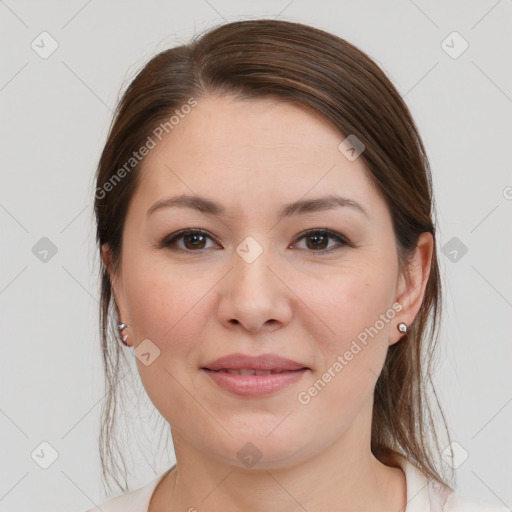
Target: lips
[(254, 376), (264, 364), (249, 371)]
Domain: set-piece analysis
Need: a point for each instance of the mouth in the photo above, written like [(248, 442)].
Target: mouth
[(252, 371), (238, 362), (250, 383), (254, 376)]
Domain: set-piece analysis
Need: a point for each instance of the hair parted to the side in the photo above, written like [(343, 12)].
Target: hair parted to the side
[(324, 74)]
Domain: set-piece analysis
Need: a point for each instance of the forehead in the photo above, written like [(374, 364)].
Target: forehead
[(218, 122), (244, 149)]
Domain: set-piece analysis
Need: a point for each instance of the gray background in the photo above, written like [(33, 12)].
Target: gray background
[(55, 114)]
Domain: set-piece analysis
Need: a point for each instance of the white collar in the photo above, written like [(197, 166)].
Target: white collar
[(423, 494)]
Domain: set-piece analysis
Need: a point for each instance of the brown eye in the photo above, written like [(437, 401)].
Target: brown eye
[(318, 240), (188, 240), (193, 241)]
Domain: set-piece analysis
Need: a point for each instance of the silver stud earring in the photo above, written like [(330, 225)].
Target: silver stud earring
[(123, 337), (402, 327)]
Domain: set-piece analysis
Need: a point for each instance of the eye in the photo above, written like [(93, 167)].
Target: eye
[(319, 240), (193, 240)]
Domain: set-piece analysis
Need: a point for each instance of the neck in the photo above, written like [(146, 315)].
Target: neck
[(344, 477)]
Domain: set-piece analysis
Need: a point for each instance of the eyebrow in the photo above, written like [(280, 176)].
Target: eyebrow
[(209, 207)]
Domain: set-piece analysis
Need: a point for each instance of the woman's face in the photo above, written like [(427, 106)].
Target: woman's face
[(255, 282)]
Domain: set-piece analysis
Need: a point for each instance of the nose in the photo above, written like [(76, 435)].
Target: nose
[(254, 296)]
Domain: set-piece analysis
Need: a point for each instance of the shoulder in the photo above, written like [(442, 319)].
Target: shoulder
[(443, 499), (133, 501), (456, 502), (425, 494)]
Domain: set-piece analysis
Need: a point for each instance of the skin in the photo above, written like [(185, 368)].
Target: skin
[(252, 157)]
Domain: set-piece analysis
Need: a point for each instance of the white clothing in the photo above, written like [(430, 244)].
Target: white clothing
[(423, 495)]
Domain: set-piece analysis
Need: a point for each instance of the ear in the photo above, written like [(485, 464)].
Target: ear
[(116, 283), (413, 282)]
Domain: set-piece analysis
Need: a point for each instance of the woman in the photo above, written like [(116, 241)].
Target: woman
[(265, 221)]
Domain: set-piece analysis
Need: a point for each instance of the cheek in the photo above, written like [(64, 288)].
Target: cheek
[(351, 353), (348, 302), (162, 302), (353, 311), (166, 309)]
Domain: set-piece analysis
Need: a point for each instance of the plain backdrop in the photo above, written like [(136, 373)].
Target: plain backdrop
[(55, 113)]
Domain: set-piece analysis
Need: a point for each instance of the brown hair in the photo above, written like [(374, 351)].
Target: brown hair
[(325, 74)]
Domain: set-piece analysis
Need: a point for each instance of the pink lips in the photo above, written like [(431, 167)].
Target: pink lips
[(254, 375)]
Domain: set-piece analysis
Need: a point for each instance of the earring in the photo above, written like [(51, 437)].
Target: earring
[(124, 337), (402, 327)]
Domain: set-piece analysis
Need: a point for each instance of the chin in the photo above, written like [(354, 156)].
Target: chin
[(271, 446)]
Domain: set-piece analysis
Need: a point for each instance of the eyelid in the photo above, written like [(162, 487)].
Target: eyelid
[(171, 239), (333, 234)]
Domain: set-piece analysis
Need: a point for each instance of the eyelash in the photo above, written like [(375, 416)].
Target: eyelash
[(170, 240)]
